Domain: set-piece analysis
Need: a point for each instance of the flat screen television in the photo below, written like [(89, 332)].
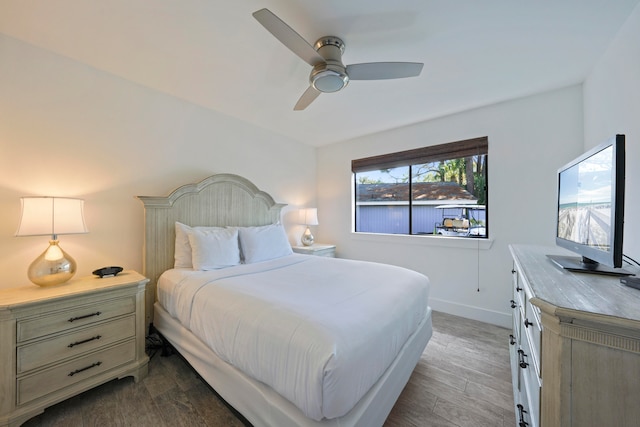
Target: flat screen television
[(590, 210)]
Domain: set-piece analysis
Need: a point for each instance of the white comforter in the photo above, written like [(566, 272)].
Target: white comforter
[(319, 331)]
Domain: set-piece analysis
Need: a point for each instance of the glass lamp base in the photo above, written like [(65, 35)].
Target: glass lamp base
[(307, 238), (52, 267)]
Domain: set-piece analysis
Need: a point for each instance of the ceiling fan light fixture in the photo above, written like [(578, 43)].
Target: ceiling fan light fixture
[(328, 81)]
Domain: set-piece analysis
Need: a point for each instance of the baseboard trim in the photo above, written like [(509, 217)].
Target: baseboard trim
[(470, 312)]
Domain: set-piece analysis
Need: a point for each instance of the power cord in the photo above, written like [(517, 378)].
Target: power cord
[(630, 260), (153, 343)]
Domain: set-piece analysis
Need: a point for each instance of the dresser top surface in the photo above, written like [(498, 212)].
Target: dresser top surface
[(77, 286), (591, 294)]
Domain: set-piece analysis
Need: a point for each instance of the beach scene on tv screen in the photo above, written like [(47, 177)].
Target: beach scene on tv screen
[(584, 211)]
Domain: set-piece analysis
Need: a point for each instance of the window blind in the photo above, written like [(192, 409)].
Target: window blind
[(441, 152)]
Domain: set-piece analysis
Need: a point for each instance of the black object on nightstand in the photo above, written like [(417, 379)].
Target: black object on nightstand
[(107, 271)]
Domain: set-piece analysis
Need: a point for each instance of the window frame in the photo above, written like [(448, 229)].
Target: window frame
[(408, 158)]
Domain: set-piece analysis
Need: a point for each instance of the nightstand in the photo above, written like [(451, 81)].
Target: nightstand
[(62, 340), (316, 249)]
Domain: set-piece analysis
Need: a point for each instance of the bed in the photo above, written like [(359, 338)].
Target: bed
[(286, 339)]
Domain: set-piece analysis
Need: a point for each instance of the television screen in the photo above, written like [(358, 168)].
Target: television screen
[(584, 207), (591, 209)]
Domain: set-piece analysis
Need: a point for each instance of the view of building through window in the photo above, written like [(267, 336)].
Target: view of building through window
[(445, 195)]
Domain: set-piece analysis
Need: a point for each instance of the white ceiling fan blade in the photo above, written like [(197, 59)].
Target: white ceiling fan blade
[(288, 36), (307, 98), (383, 70)]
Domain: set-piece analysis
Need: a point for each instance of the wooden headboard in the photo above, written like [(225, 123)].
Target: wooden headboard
[(219, 200)]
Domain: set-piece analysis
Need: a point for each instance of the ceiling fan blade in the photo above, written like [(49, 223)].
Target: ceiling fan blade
[(288, 36), (383, 70), (307, 98)]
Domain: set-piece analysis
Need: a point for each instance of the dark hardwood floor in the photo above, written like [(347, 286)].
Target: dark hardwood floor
[(463, 379)]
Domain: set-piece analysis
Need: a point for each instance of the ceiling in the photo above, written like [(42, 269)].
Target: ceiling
[(213, 53)]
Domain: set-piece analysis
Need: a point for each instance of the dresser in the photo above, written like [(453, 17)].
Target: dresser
[(317, 249), (574, 347), (59, 341)]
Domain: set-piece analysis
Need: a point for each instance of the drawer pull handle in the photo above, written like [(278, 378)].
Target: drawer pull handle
[(512, 340), (521, 413), (518, 288), (73, 344), (527, 323), (97, 313), (522, 363), (77, 371), (513, 304)]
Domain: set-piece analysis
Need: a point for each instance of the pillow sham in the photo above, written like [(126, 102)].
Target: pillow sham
[(214, 249), (182, 251), (263, 243)]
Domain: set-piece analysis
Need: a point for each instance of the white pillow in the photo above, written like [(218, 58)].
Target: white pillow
[(214, 249), (263, 243), (182, 252)]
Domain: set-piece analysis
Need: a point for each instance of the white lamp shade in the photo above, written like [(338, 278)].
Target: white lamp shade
[(43, 216), (309, 216)]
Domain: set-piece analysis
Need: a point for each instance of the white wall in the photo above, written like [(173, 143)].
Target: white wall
[(529, 139), (67, 129), (612, 105)]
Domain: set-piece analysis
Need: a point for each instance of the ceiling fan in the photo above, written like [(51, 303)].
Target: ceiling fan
[(329, 74)]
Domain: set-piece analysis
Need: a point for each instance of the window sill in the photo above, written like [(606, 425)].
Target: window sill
[(425, 240)]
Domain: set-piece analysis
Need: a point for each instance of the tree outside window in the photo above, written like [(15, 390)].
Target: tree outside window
[(439, 190)]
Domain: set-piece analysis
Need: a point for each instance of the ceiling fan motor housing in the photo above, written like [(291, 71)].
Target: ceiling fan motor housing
[(330, 76)]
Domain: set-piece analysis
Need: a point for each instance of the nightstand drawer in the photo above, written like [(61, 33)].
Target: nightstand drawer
[(41, 353), (73, 317), (316, 249), (31, 387)]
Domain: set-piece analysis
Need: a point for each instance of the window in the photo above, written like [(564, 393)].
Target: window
[(438, 190)]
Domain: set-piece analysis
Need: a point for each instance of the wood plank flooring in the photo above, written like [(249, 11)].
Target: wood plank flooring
[(463, 379)]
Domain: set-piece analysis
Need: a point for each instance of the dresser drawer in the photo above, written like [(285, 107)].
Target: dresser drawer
[(518, 289), (69, 318), (514, 345), (533, 334), (32, 387), (515, 306), (47, 351), (530, 382)]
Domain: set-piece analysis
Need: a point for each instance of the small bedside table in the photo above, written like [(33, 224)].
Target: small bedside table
[(61, 340), (316, 249)]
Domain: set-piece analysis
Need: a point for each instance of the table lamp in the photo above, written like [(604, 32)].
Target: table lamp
[(44, 216), (309, 217)]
